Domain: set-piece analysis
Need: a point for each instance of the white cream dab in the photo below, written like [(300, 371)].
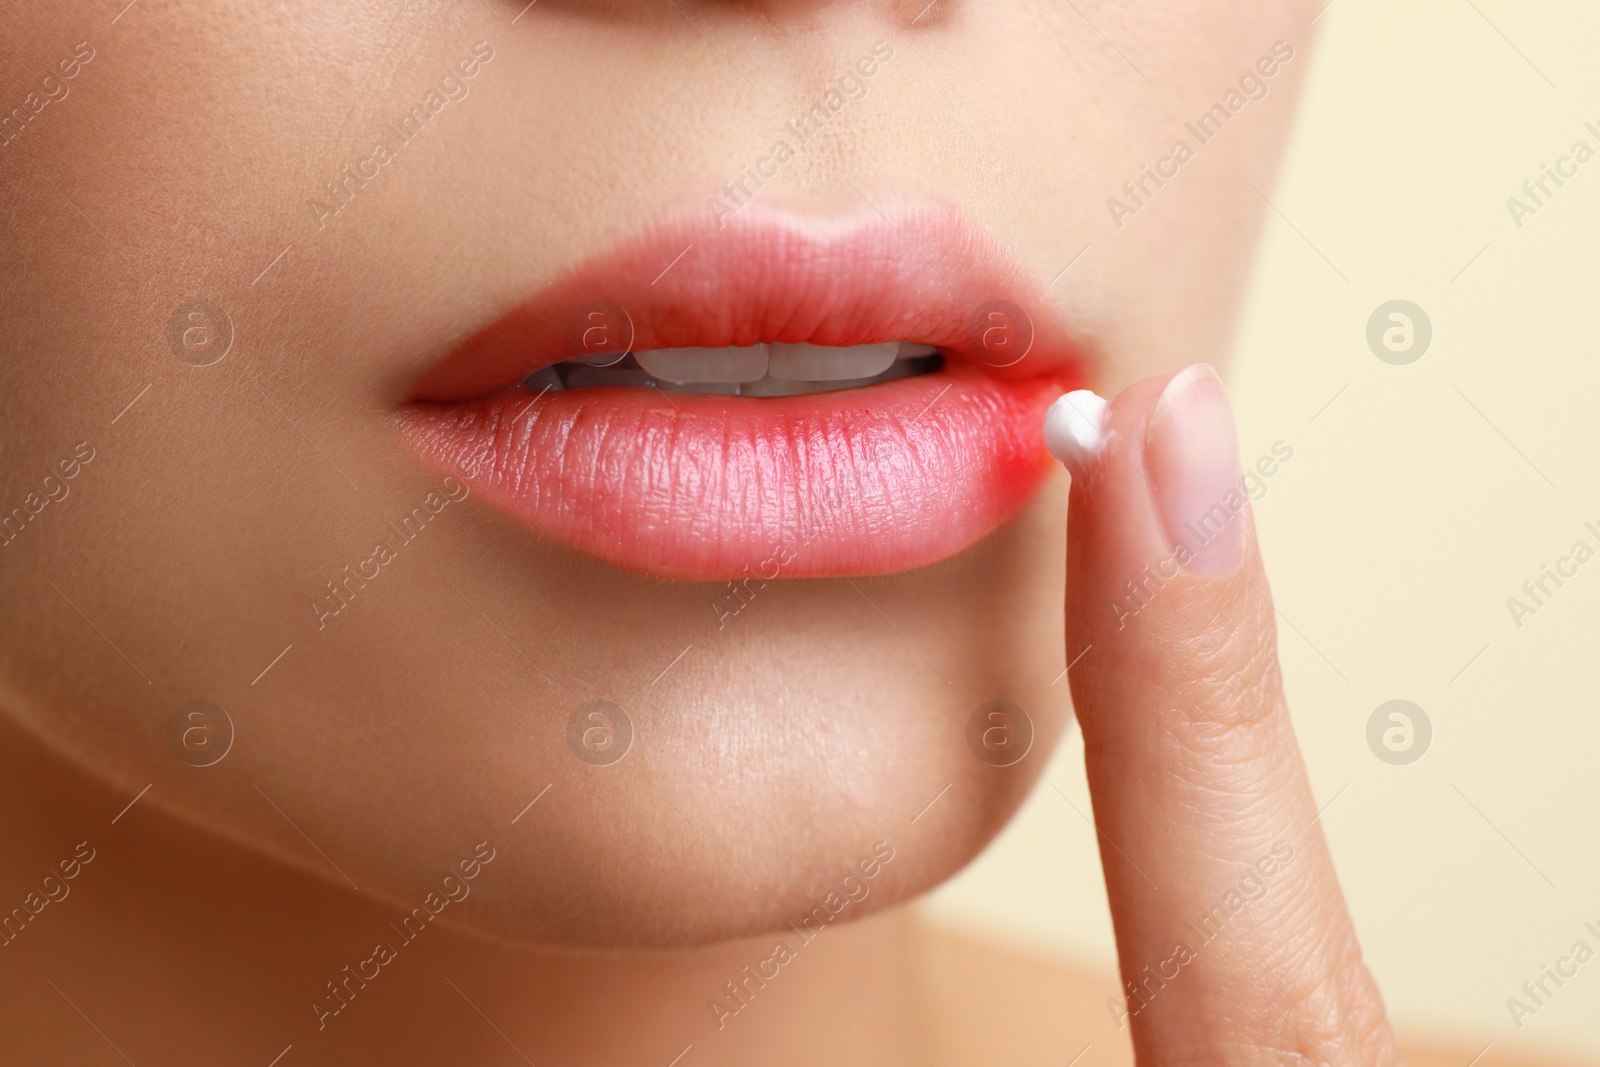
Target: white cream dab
[(1074, 429)]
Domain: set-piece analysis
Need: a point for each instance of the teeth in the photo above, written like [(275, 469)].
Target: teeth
[(770, 386), (778, 369), (541, 380), (748, 364), (602, 359), (708, 388), (826, 363), (584, 377), (854, 383)]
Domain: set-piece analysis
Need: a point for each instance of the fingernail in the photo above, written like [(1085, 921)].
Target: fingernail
[(1191, 453), (1074, 430)]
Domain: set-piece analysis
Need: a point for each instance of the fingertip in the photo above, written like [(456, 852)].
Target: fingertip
[(1156, 469), (1191, 454)]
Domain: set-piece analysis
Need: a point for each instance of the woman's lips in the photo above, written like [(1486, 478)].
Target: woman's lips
[(854, 482), (859, 481)]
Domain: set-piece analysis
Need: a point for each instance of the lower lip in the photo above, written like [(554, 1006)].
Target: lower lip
[(856, 482)]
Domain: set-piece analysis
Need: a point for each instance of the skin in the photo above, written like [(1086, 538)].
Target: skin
[(380, 750)]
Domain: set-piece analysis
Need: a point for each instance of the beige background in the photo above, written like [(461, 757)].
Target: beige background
[(1416, 503)]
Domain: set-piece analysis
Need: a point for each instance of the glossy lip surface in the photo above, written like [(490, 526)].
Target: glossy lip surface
[(855, 482)]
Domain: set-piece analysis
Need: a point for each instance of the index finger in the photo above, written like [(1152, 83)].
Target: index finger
[(1234, 940)]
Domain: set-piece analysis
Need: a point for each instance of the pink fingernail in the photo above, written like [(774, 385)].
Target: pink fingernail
[(1191, 453)]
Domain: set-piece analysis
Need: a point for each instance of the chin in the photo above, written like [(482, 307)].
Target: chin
[(811, 754), (701, 859)]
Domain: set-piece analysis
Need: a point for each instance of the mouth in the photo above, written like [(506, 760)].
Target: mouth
[(785, 395)]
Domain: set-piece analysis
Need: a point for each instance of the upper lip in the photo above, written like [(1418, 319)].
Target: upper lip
[(918, 273)]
